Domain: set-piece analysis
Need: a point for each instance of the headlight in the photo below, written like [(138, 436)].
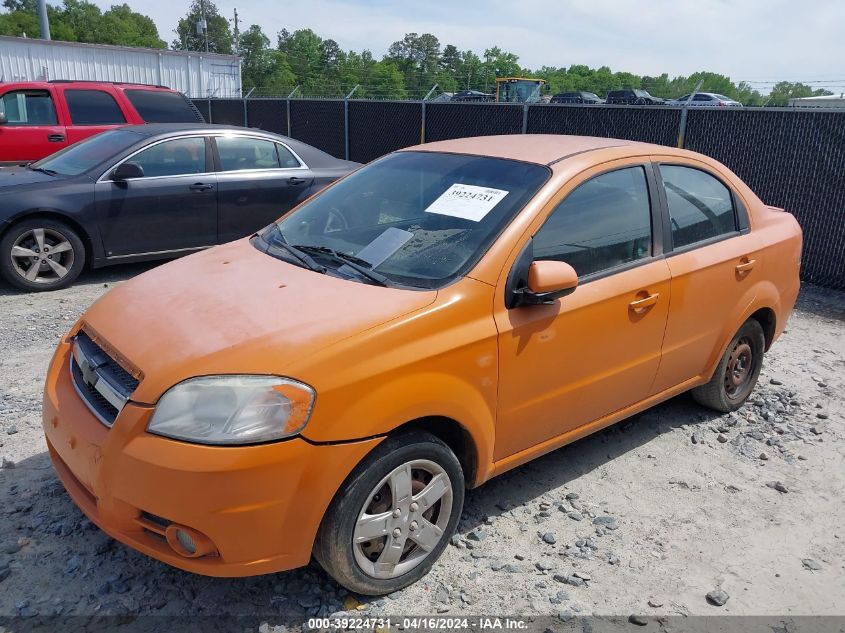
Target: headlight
[(233, 409)]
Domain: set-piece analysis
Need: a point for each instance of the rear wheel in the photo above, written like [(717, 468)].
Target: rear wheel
[(41, 254), (737, 372), (394, 515)]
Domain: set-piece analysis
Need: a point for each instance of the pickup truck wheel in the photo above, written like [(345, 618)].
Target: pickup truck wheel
[(737, 372), (41, 254), (393, 516)]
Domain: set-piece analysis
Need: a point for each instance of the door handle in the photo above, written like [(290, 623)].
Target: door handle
[(56, 138), (296, 180), (200, 186), (745, 267), (641, 305)]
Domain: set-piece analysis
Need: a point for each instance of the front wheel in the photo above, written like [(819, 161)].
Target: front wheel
[(41, 254), (393, 516), (737, 372)]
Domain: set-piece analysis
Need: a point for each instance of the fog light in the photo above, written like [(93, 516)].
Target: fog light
[(188, 542)]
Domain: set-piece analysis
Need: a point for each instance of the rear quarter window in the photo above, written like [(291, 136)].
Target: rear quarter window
[(159, 106), (93, 107)]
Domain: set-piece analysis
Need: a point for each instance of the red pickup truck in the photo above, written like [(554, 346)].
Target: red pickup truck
[(40, 118)]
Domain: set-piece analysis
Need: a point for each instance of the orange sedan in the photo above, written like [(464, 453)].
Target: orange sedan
[(331, 385)]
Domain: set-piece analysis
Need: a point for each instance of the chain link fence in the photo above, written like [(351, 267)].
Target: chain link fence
[(650, 124), (456, 120), (791, 158), (377, 128)]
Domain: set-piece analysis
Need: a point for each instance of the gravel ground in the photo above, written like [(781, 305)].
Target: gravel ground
[(667, 513)]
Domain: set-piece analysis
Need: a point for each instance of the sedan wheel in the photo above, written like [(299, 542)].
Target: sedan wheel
[(737, 373), (403, 519), (41, 254), (393, 516)]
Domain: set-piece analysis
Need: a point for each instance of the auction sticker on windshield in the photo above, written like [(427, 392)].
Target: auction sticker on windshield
[(467, 201)]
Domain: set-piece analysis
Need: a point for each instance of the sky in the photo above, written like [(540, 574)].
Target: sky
[(761, 41)]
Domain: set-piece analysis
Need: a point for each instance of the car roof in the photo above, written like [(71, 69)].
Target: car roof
[(542, 149)]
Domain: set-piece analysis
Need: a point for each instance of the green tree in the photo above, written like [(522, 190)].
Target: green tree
[(786, 90), (82, 21), (124, 27), (305, 56), (220, 38)]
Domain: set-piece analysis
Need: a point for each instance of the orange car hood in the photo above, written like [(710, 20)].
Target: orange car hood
[(234, 309)]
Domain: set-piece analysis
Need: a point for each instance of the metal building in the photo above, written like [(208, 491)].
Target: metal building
[(192, 73)]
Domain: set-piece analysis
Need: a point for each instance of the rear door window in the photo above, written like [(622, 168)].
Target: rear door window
[(160, 106), (700, 206), (177, 157), (238, 153), (28, 107), (93, 107)]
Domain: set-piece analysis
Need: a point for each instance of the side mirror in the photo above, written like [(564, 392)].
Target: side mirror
[(548, 280), (3, 119), (125, 171)]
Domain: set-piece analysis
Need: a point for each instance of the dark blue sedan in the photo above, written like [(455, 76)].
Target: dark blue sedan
[(149, 192)]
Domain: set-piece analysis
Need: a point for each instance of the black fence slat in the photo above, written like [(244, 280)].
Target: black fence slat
[(377, 128), (649, 124), (227, 111), (268, 114), (319, 123), (457, 120), (793, 159)]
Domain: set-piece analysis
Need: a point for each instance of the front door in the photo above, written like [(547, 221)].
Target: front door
[(32, 129), (171, 209), (596, 350)]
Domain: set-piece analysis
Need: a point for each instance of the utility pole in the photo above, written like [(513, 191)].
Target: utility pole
[(237, 34), (43, 20), (204, 23)]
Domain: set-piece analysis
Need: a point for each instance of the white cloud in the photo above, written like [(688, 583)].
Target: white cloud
[(761, 40)]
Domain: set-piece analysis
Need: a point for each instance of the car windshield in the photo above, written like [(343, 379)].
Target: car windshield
[(641, 93), (419, 219), (87, 154)]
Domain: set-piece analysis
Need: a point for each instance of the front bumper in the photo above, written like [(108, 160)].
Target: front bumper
[(259, 505)]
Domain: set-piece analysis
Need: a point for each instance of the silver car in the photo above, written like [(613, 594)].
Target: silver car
[(710, 99)]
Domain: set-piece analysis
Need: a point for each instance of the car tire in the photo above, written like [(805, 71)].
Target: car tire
[(423, 467), (58, 248), (737, 372)]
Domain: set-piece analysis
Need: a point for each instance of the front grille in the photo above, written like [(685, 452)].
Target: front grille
[(115, 374), (100, 381), (103, 409)]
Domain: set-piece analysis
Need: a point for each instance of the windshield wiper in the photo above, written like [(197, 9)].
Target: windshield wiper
[(303, 258), (355, 263), (43, 170)]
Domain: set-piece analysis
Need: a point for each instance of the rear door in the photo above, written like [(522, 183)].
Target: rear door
[(33, 127), (172, 209), (91, 111), (258, 181), (714, 261)]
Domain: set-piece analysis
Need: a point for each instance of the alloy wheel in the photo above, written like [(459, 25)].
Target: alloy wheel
[(42, 255)]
